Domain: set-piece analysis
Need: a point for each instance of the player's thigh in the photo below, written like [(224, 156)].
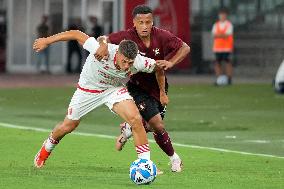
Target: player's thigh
[(127, 110), (70, 123), (147, 105), (227, 57), (218, 57), (120, 102), (156, 123)]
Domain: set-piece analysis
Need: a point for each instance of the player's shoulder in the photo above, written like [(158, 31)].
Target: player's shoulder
[(128, 32), (229, 22), (161, 33), (159, 30)]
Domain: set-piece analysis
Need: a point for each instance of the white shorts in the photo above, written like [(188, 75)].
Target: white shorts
[(83, 102)]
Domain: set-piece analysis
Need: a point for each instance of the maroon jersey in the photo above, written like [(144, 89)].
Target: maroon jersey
[(163, 46)]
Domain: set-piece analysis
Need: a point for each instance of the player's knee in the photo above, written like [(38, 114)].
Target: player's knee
[(158, 126), (135, 121), (68, 127)]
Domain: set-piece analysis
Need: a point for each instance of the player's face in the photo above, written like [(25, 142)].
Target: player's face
[(123, 62), (143, 24), (222, 16)]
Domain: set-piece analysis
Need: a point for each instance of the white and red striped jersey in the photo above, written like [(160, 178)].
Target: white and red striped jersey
[(102, 75)]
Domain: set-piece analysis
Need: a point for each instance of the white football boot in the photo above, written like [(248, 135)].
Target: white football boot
[(176, 164), (126, 133)]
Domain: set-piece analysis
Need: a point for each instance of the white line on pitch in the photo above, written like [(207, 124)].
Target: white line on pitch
[(7, 125)]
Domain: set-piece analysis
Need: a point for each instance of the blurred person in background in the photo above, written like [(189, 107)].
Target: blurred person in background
[(97, 30), (43, 57), (3, 36), (74, 48), (223, 44)]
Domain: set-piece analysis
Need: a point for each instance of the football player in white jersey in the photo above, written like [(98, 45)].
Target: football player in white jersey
[(100, 83)]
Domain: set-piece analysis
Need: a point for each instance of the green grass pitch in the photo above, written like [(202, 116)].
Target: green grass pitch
[(247, 118)]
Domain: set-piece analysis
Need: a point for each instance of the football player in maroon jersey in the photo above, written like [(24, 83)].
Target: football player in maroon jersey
[(149, 94)]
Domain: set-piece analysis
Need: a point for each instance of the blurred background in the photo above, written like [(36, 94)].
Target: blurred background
[(258, 32)]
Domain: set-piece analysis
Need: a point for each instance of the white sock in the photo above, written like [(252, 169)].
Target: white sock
[(175, 156), (143, 151), (50, 144), (144, 155)]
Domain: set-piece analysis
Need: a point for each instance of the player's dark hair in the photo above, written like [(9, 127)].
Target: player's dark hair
[(223, 10), (141, 9), (128, 48)]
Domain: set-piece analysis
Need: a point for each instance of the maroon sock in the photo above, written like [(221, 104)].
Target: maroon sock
[(164, 141)]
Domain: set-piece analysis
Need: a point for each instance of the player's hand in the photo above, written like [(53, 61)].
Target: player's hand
[(40, 44), (164, 64), (164, 99), (102, 52)]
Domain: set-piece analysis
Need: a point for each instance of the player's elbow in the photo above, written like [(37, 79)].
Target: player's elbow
[(79, 36), (102, 38), (186, 49)]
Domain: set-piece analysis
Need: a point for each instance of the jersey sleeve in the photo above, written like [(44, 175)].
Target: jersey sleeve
[(213, 31), (230, 29), (117, 37), (91, 45), (144, 64), (171, 44)]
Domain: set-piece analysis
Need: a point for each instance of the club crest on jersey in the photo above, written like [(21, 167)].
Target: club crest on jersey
[(156, 51), (141, 106)]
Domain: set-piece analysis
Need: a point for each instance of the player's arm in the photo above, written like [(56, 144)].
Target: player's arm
[(148, 65), (175, 50), (181, 54), (161, 80), (102, 51), (114, 38), (222, 35), (42, 43), (177, 58)]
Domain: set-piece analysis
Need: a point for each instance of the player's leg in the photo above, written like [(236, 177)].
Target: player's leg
[(126, 133), (228, 67), (163, 139), (152, 111), (81, 104), (128, 111), (125, 127), (60, 130), (218, 65)]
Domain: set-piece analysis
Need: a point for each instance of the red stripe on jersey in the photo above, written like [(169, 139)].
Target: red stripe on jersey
[(89, 90)]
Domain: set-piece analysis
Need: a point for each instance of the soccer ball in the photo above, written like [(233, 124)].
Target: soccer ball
[(143, 171), (222, 80)]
